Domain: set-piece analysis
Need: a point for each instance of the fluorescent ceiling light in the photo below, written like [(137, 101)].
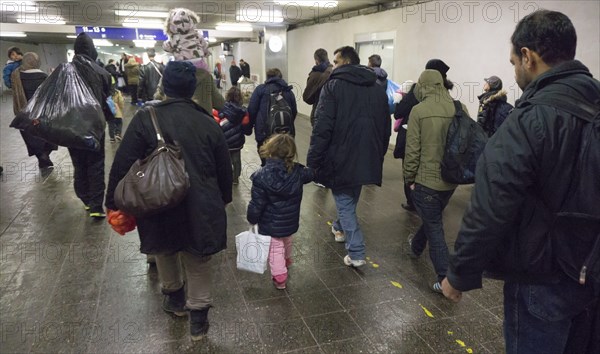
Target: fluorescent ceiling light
[(144, 43), (258, 15), (239, 27), (42, 21), (135, 23), (319, 3), (13, 34), (71, 36), (135, 14), (212, 40), (102, 43)]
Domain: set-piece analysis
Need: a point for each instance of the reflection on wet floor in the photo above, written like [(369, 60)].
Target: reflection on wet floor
[(71, 284)]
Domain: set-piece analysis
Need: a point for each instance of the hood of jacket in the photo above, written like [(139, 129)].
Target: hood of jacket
[(381, 74), (356, 74), (275, 178), (487, 97), (279, 82), (322, 67), (84, 45), (431, 85)]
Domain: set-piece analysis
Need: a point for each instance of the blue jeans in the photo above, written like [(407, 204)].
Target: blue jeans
[(551, 318), (430, 204), (346, 200)]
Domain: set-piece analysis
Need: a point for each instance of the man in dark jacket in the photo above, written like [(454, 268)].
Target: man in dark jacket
[(258, 108), (375, 64), (316, 79), (234, 73), (522, 179), (348, 143), (88, 164), (112, 69), (493, 108), (150, 75), (245, 67)]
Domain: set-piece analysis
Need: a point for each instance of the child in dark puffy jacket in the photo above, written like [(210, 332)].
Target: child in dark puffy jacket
[(232, 118), (276, 197)]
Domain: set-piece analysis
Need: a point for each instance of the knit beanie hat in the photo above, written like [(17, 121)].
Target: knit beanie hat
[(179, 79), (494, 82), (437, 64)]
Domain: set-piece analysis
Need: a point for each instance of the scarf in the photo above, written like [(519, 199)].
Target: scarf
[(30, 61)]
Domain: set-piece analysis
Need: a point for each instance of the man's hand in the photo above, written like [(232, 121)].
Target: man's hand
[(450, 292), (412, 187)]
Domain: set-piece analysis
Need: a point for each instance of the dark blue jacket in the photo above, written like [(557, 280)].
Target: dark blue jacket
[(259, 105), (232, 128), (276, 197)]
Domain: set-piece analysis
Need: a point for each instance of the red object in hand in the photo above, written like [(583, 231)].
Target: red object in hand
[(246, 119), (216, 115), (121, 222)]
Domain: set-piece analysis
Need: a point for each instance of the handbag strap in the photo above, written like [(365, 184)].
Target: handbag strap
[(158, 71), (155, 124)]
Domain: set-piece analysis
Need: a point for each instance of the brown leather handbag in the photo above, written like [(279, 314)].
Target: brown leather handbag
[(156, 183)]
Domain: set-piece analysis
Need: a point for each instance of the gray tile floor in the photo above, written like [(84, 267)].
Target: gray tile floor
[(69, 284)]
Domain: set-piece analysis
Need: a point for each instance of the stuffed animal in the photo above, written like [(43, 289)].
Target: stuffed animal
[(185, 43)]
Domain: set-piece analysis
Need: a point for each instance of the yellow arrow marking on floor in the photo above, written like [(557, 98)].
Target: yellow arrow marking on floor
[(469, 350), (368, 258), (450, 332), (329, 223), (427, 312), (375, 265), (461, 343), (396, 284)]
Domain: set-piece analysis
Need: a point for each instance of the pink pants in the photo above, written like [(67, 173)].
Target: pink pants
[(279, 252)]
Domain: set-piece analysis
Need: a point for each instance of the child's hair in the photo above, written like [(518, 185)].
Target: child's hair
[(280, 146), (234, 95)]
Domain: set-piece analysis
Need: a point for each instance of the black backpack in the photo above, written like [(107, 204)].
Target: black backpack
[(465, 142), (575, 230), (279, 119)]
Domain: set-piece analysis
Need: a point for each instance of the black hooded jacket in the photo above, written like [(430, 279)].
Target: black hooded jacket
[(522, 177), (232, 127), (97, 79), (352, 129)]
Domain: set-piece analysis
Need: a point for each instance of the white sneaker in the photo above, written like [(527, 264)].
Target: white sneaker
[(339, 235), (354, 263), (319, 185)]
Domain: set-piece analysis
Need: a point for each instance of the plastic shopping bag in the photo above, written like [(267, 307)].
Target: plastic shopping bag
[(252, 250), (64, 111), (392, 87), (121, 82)]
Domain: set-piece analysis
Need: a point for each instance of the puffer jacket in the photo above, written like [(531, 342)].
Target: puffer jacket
[(260, 102), (427, 129), (493, 110), (521, 176), (276, 198), (231, 123), (352, 129), (132, 71), (382, 76)]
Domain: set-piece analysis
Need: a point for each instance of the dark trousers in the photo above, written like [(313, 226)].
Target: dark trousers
[(133, 92), (430, 204), (89, 176), (551, 318), (258, 145), (114, 127), (236, 161), (36, 146)]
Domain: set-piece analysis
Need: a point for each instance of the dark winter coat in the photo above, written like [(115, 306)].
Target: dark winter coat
[(276, 198), (199, 224), (260, 102), (382, 76), (234, 74), (522, 174), (493, 110), (245, 69), (232, 128), (402, 111), (316, 79), (112, 70), (31, 80), (149, 79), (352, 129)]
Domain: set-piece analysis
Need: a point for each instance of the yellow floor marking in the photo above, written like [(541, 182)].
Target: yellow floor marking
[(450, 332), (375, 265), (396, 284), (368, 258), (461, 343), (427, 312), (329, 223), (469, 350)]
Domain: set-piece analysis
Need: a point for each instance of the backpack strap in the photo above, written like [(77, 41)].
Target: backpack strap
[(570, 104)]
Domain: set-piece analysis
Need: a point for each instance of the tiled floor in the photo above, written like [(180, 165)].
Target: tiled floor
[(69, 284)]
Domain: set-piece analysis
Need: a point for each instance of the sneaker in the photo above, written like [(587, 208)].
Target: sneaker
[(118, 137), (97, 213), (174, 302), (278, 285), (279, 281), (199, 323), (437, 287), (86, 207), (354, 262), (339, 235), (151, 259), (319, 185), (44, 161)]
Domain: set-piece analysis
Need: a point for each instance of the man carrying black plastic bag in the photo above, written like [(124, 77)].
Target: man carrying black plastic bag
[(89, 165)]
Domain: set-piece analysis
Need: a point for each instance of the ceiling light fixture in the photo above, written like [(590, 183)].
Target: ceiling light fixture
[(134, 23), (102, 43), (135, 14), (42, 21), (13, 34), (238, 27), (319, 3), (144, 43), (72, 36), (212, 40)]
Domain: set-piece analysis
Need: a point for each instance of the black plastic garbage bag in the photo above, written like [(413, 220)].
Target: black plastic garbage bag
[(64, 111)]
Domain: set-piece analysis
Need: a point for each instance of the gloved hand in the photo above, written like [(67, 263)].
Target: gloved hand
[(121, 222)]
